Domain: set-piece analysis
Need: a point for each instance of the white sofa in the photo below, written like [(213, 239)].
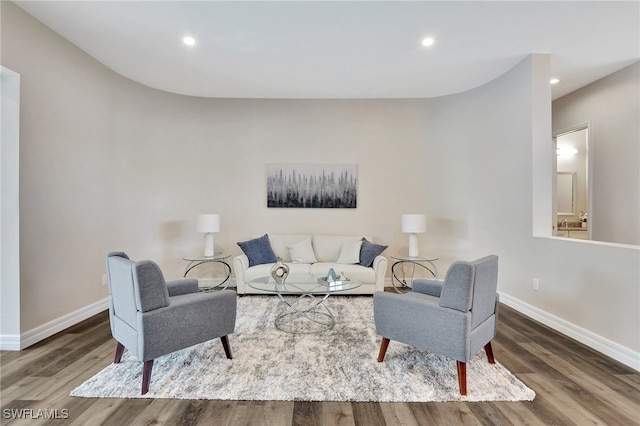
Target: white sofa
[(327, 250)]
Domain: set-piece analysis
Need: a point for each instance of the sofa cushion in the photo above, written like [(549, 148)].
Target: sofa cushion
[(350, 252), (280, 242), (369, 251), (258, 251), (302, 252), (327, 247)]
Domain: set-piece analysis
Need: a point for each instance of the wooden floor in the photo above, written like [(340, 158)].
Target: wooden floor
[(574, 386)]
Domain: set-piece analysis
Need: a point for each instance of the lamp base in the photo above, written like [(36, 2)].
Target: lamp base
[(208, 244), (413, 245)]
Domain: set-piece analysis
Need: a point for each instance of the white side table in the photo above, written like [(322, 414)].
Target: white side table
[(216, 258), (424, 262)]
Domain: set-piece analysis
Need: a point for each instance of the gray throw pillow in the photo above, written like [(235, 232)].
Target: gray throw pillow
[(369, 251), (258, 251)]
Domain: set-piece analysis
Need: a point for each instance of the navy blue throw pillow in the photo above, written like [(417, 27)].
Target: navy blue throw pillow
[(258, 251), (369, 251)]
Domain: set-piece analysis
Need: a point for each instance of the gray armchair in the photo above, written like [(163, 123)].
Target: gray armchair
[(151, 317), (455, 318)]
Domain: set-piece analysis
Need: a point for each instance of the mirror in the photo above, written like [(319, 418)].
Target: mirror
[(572, 182), (566, 184)]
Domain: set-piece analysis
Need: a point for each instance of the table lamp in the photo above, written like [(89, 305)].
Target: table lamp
[(208, 224), (413, 224)]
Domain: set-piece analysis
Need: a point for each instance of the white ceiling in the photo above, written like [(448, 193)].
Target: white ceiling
[(344, 49)]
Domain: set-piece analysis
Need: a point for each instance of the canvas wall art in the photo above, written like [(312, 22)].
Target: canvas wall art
[(331, 186)]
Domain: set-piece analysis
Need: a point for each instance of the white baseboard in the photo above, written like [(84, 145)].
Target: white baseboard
[(10, 342), (16, 343), (614, 350)]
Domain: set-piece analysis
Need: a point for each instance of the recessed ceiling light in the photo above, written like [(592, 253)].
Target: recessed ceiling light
[(428, 41), (189, 41), (554, 81)]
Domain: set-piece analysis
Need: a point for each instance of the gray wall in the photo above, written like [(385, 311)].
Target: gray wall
[(611, 106), (107, 164)]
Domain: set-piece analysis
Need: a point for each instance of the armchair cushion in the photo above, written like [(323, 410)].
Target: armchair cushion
[(457, 292), (369, 251), (258, 251), (152, 291)]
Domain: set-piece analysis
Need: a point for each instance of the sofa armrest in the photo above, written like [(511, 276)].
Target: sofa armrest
[(184, 286), (380, 267), (240, 265)]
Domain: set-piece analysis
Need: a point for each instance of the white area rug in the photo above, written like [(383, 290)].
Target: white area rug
[(336, 365)]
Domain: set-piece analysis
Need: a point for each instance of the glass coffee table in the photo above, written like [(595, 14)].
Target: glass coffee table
[(303, 297)]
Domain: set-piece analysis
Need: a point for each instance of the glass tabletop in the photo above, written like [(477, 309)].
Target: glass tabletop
[(415, 258), (217, 256), (302, 284)]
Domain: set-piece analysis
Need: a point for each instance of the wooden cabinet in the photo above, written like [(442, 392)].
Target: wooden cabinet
[(578, 234)]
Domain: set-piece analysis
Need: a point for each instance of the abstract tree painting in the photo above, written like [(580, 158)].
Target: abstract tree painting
[(331, 186)]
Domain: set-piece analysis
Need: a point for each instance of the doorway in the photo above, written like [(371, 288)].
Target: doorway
[(9, 208)]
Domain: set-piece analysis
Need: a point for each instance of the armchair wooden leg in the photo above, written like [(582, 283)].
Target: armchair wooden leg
[(146, 375), (462, 377), (489, 351), (226, 346), (119, 352), (383, 349)]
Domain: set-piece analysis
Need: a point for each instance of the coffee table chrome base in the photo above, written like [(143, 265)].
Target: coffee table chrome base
[(306, 314), (303, 296)]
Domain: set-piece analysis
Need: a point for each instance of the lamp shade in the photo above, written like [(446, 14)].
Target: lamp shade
[(208, 223), (414, 223)]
